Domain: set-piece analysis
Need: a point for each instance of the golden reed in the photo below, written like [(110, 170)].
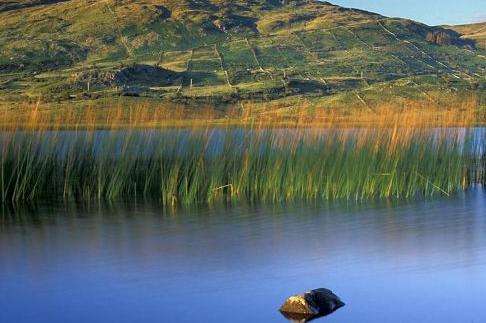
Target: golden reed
[(444, 111)]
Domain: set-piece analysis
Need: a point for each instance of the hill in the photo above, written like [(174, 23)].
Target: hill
[(475, 32), (222, 52)]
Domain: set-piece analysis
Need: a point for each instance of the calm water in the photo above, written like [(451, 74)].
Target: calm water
[(390, 262)]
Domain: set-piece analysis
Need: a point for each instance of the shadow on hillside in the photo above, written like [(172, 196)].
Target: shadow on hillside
[(20, 4)]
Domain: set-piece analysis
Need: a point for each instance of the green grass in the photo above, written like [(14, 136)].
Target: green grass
[(308, 40), (186, 168)]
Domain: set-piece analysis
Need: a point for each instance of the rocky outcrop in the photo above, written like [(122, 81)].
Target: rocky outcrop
[(442, 36), (134, 75), (140, 74), (235, 23), (307, 87), (438, 35), (163, 12), (310, 305)]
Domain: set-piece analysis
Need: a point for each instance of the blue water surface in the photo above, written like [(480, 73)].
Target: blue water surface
[(414, 261)]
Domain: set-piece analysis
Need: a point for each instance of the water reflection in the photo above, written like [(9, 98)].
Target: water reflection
[(148, 141), (390, 262)]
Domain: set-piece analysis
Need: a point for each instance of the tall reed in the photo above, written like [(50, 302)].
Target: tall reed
[(440, 110), (206, 166)]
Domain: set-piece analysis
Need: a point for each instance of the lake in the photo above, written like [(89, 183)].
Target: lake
[(402, 261)]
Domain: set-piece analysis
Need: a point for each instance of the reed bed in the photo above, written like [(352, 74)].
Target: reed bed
[(439, 110), (184, 167)]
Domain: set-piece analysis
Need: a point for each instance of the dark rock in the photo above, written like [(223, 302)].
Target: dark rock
[(109, 39), (442, 36), (308, 86), (134, 75), (235, 23), (15, 5), (164, 13), (133, 91), (311, 305), (439, 36), (140, 74), (85, 96)]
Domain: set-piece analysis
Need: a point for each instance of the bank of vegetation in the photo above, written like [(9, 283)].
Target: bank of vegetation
[(184, 167)]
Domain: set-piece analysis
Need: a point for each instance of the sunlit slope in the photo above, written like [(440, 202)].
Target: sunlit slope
[(224, 51), (476, 32)]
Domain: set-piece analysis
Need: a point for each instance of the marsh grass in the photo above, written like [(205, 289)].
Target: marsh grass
[(184, 167), (439, 110)]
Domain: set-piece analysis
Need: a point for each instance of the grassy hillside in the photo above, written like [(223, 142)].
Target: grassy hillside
[(476, 32), (222, 52)]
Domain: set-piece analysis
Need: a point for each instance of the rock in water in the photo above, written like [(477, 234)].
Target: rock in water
[(310, 305)]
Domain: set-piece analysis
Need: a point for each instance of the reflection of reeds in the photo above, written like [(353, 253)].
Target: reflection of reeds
[(184, 167)]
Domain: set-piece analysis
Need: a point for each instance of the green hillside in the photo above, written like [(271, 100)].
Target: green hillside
[(221, 52)]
